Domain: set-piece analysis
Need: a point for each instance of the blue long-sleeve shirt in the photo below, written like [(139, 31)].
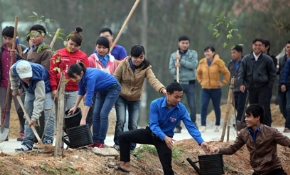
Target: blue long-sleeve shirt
[(163, 120), (95, 80)]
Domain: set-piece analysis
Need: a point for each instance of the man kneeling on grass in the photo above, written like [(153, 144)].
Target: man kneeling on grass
[(165, 113), (261, 141)]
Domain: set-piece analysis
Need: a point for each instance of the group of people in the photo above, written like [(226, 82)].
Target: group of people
[(110, 78)]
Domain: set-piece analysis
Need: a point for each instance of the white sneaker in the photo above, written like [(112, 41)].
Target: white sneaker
[(202, 129), (217, 129)]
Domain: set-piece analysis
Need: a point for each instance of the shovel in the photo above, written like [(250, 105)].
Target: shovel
[(28, 119), (3, 131)]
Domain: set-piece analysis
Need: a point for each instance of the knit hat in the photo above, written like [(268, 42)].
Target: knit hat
[(23, 68), (103, 41)]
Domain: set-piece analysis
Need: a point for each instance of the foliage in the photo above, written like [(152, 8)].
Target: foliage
[(41, 19), (176, 151), (225, 23), (282, 25)]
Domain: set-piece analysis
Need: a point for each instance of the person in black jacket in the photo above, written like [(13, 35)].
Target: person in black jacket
[(284, 91), (5, 59), (266, 50), (234, 66), (258, 73)]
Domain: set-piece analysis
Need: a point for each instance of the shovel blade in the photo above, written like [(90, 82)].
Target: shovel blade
[(3, 134)]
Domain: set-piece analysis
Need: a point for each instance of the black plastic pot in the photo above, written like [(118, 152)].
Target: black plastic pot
[(72, 120), (78, 136), (209, 164)]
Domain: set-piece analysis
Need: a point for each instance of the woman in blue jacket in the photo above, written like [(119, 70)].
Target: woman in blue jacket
[(90, 81)]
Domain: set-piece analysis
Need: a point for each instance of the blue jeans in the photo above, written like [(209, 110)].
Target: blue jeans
[(69, 100), (215, 95), (49, 129), (189, 90), (105, 100), (284, 105), (240, 102), (134, 115)]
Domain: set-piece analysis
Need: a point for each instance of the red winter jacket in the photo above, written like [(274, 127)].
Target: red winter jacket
[(60, 62)]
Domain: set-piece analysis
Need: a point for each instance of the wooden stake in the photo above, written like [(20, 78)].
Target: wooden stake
[(28, 119), (124, 24), (229, 106), (54, 38), (60, 118)]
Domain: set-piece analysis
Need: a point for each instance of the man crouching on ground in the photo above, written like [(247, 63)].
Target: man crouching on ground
[(261, 141), (34, 77), (165, 113)]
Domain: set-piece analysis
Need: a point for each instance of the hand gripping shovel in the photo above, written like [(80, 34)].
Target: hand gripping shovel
[(3, 131), (28, 119)]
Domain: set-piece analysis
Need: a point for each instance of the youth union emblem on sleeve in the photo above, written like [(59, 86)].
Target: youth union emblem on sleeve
[(172, 119)]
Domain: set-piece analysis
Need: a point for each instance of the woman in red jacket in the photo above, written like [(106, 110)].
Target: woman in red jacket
[(61, 61)]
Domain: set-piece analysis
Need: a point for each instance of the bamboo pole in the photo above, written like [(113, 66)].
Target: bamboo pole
[(124, 24), (54, 38), (177, 68), (60, 118), (28, 119), (229, 106), (11, 63)]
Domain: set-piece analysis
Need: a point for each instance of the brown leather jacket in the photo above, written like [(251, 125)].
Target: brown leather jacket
[(263, 152)]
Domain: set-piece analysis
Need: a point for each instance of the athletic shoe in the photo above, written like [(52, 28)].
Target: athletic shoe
[(24, 147), (203, 128), (101, 145), (286, 130), (217, 129), (95, 144), (117, 147)]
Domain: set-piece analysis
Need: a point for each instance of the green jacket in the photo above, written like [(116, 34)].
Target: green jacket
[(187, 69)]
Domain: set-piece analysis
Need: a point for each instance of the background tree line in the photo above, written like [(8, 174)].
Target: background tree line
[(157, 24)]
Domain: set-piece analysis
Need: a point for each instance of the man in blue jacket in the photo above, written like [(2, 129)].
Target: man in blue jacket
[(35, 79), (165, 113), (284, 90), (187, 63)]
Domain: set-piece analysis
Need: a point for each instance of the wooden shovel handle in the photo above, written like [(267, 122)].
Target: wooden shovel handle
[(28, 119)]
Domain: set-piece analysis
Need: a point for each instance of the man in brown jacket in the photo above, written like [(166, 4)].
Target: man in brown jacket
[(261, 141)]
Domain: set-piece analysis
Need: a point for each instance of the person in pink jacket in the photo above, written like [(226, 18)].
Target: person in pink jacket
[(103, 60)]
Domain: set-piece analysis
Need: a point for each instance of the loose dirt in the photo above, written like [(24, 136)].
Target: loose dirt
[(84, 161)]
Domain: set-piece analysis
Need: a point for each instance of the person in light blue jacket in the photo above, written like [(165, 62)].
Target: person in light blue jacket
[(187, 63)]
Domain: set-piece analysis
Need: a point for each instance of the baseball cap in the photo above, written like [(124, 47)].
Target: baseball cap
[(24, 70)]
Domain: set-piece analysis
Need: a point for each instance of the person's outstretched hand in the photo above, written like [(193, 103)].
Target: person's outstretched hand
[(169, 142), (215, 150), (72, 110), (205, 148), (82, 122)]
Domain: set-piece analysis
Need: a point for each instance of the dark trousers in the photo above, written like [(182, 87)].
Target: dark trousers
[(240, 102), (145, 136), (278, 171), (284, 105), (189, 90), (260, 95), (215, 95)]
